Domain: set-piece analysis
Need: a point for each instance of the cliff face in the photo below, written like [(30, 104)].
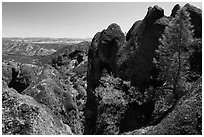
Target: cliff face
[(131, 60), (108, 87), (102, 54), (196, 19), (138, 53)]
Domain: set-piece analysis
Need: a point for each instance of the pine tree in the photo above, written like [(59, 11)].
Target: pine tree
[(175, 50), (173, 55)]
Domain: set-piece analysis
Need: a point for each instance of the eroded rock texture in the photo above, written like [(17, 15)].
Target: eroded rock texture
[(102, 55), (22, 115), (132, 60), (185, 119), (137, 55)]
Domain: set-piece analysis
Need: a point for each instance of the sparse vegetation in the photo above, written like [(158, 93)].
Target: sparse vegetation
[(147, 82)]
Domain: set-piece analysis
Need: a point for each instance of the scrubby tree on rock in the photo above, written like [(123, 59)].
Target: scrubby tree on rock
[(174, 53)]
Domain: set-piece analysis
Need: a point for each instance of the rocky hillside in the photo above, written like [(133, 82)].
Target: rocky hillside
[(134, 84), (153, 99), (35, 46)]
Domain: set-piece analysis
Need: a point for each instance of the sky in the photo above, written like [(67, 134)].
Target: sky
[(73, 20)]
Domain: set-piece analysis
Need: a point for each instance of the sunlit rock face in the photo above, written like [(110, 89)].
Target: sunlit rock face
[(23, 115)]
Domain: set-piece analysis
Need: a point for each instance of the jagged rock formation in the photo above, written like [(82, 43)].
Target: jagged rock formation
[(121, 93), (22, 115), (102, 55), (133, 62), (132, 30), (18, 76), (47, 88), (138, 53), (175, 10), (196, 19), (50, 91)]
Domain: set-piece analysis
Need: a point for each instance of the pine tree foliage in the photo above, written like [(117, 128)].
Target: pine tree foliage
[(175, 50)]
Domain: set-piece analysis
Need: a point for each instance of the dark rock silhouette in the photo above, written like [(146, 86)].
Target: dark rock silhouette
[(132, 30), (138, 53), (196, 57), (133, 61), (196, 19), (102, 54), (175, 10)]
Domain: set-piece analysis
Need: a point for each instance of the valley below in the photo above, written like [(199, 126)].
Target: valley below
[(145, 82)]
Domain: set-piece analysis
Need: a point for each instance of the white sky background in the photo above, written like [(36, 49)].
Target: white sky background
[(73, 20)]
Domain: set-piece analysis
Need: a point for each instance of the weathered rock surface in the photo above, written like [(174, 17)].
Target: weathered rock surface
[(137, 55), (132, 30), (102, 54), (22, 115), (121, 89), (6, 72), (51, 91), (133, 62), (112, 103), (175, 10), (19, 76), (196, 19), (46, 85), (185, 119)]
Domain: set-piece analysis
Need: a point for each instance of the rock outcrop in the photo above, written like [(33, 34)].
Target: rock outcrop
[(137, 55), (102, 54), (133, 62), (185, 119), (132, 30), (51, 91), (22, 115), (196, 19), (175, 10), (47, 87), (109, 87), (18, 76)]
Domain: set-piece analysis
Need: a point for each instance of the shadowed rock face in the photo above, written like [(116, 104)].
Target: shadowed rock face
[(102, 55), (185, 119), (175, 10), (138, 53), (196, 19), (131, 60), (132, 30)]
